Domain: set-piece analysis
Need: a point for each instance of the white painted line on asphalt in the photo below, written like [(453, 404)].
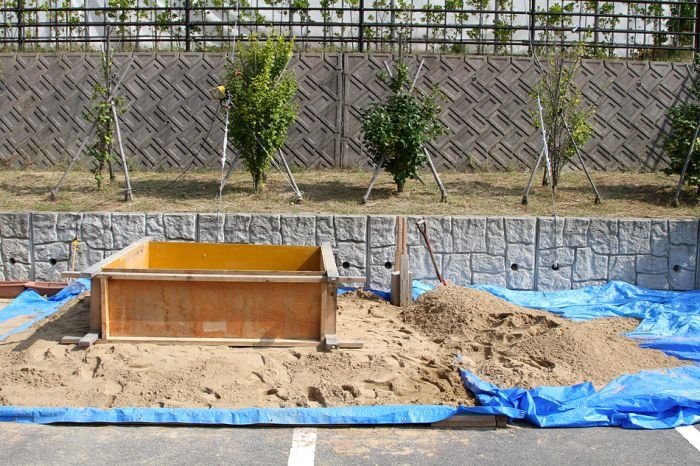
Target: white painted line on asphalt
[(691, 434), (303, 447)]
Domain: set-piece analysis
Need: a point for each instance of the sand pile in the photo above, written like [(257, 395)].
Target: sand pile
[(513, 346), (396, 366)]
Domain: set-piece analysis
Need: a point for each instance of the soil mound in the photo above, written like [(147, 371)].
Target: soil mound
[(396, 366), (513, 346)]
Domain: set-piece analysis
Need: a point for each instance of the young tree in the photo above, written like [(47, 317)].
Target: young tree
[(100, 114), (562, 105), (396, 130), (684, 119), (261, 92)]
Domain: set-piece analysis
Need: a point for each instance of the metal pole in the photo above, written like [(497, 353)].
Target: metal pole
[(20, 24), (188, 27), (495, 25), (361, 25), (392, 19), (533, 6), (697, 28), (596, 24), (677, 194)]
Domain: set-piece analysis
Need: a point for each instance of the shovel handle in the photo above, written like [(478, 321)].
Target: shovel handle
[(423, 229)]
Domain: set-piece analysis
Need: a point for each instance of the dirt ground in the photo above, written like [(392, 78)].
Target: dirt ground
[(409, 357), (481, 193)]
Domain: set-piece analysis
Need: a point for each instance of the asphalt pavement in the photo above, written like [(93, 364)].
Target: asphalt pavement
[(75, 444)]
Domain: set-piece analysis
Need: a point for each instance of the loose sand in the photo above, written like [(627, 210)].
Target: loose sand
[(513, 346), (408, 357)]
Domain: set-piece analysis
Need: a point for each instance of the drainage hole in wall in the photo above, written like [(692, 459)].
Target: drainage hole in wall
[(346, 265), (12, 261), (676, 268), (388, 265), (52, 261), (514, 267), (555, 266)]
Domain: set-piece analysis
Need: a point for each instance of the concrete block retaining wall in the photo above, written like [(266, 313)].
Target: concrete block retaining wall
[(520, 253)]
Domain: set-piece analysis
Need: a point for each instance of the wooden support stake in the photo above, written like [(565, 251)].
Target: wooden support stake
[(331, 342), (395, 288), (401, 279), (70, 340), (104, 301), (128, 196), (350, 344), (401, 240), (405, 297), (377, 169), (88, 340), (443, 191)]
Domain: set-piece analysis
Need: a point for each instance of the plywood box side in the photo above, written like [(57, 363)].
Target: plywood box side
[(144, 308), (135, 258)]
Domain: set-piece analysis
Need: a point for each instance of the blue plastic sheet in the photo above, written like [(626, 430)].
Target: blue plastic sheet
[(365, 415), (35, 307), (647, 400)]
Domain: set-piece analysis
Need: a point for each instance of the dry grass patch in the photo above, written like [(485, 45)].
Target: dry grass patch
[(339, 191)]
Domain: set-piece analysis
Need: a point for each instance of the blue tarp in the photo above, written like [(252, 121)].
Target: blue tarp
[(32, 305), (368, 415), (647, 400)]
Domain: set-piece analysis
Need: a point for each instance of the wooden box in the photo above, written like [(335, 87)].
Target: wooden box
[(202, 293)]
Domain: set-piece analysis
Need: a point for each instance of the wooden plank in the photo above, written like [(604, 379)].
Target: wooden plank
[(136, 257), (328, 259), (96, 268), (69, 340), (104, 308), (291, 273), (330, 307), (95, 305), (271, 342), (331, 342), (349, 279), (243, 257), (195, 277), (401, 240), (208, 309), (396, 288), (405, 289), (324, 312), (88, 340), (350, 344), (472, 420)]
